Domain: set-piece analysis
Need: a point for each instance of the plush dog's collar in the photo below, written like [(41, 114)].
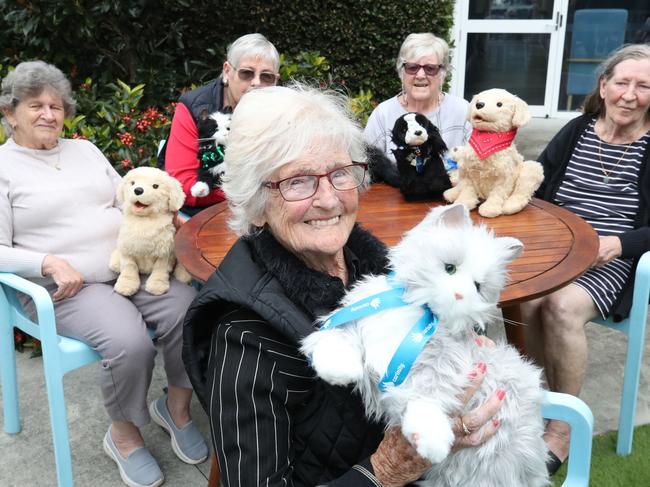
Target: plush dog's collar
[(487, 143), (416, 156)]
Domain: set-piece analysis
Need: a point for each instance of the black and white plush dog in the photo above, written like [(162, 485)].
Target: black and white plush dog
[(213, 136), (420, 173)]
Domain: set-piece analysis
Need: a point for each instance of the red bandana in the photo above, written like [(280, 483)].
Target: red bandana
[(487, 143)]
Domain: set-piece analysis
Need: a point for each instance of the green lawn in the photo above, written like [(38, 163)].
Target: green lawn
[(610, 470)]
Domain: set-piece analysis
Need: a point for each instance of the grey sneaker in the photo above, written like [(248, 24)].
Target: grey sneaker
[(139, 469), (187, 442)]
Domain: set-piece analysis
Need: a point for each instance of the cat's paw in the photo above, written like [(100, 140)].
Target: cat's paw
[(200, 189), (428, 429), (336, 361)]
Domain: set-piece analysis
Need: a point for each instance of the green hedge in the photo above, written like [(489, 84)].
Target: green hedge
[(172, 44)]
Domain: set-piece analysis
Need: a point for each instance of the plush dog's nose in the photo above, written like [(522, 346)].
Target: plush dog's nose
[(138, 190), (418, 132), (479, 105)]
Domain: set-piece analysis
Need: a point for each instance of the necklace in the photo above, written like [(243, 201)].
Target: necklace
[(602, 166), (46, 160)]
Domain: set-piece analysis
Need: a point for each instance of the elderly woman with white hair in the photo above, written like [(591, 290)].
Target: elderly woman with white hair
[(251, 62), (422, 64), (59, 221), (294, 171)]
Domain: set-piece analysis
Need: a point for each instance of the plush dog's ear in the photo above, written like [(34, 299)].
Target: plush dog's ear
[(469, 108), (119, 192), (399, 131), (176, 195), (521, 115)]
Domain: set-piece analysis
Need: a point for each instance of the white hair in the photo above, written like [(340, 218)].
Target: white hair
[(416, 46), (255, 46), (274, 126)]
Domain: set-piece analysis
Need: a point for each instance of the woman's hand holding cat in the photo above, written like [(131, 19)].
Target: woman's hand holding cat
[(478, 425), (396, 463)]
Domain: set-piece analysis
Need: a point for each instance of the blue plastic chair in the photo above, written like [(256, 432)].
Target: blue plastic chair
[(60, 356), (634, 328), (596, 33), (576, 413)]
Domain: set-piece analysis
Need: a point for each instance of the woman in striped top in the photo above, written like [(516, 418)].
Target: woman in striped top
[(293, 188), (597, 167)]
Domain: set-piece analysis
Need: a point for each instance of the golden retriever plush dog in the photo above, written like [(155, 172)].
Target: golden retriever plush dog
[(489, 167), (145, 244)]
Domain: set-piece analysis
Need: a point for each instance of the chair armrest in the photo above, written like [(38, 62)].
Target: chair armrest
[(577, 414), (42, 302), (642, 278)]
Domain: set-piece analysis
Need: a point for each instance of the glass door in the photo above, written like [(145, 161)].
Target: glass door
[(510, 44), (595, 28)]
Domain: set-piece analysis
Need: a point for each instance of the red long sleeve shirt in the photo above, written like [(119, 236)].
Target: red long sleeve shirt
[(180, 159)]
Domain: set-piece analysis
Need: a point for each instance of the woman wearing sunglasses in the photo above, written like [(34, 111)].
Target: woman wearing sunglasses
[(422, 65), (251, 62)]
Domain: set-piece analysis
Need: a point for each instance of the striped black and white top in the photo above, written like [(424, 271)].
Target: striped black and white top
[(254, 358), (254, 389), (601, 186)]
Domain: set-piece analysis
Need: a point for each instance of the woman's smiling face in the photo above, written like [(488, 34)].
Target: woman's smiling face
[(627, 93), (38, 121), (420, 86), (314, 229)]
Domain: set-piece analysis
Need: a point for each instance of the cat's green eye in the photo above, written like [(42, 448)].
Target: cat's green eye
[(450, 268)]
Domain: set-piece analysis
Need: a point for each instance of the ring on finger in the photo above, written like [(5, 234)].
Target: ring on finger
[(466, 430)]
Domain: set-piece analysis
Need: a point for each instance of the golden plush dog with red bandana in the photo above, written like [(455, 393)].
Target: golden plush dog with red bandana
[(490, 169)]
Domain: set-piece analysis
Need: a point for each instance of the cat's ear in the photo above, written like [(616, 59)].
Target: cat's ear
[(510, 248), (455, 216), (450, 216)]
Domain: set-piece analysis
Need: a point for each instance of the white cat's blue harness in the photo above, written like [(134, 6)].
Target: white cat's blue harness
[(412, 344)]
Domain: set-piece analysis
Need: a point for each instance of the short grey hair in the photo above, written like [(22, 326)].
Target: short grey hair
[(418, 45), (255, 46), (29, 79), (274, 126)]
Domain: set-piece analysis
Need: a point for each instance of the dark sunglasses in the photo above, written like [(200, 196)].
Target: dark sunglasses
[(266, 78), (429, 69)]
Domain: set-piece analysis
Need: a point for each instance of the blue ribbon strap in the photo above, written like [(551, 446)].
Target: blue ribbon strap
[(366, 307), (408, 351), (411, 345), (419, 164)]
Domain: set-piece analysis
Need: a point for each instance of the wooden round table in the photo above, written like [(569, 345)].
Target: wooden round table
[(558, 245)]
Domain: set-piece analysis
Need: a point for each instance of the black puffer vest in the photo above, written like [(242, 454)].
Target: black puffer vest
[(331, 432), (206, 97)]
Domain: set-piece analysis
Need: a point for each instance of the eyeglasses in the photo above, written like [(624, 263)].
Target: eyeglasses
[(266, 78), (429, 69), (303, 186)]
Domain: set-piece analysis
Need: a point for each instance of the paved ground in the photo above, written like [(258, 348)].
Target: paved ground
[(27, 458)]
